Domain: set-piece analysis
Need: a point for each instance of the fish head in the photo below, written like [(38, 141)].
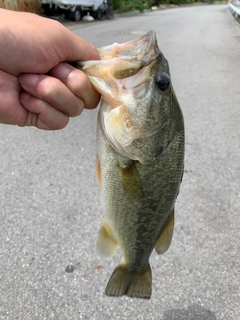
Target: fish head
[(134, 81)]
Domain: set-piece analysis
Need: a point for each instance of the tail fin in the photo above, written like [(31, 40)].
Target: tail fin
[(135, 284)]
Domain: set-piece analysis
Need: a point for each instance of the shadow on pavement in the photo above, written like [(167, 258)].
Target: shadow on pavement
[(194, 312)]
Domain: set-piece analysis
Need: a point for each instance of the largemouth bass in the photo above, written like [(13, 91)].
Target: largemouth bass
[(140, 155)]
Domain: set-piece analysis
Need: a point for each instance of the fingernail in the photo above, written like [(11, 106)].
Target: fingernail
[(24, 96), (28, 80)]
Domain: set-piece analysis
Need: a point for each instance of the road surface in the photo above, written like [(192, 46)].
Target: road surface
[(50, 202)]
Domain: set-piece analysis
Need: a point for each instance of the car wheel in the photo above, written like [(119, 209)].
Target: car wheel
[(77, 15), (99, 14), (48, 11)]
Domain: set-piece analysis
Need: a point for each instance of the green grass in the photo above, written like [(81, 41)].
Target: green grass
[(132, 5)]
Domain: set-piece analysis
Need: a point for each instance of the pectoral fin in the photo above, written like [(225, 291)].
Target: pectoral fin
[(165, 238), (131, 182), (98, 169), (106, 244)]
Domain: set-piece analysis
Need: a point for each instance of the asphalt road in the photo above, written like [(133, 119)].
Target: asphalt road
[(50, 202)]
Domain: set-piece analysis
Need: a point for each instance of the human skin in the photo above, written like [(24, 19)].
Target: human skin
[(37, 87)]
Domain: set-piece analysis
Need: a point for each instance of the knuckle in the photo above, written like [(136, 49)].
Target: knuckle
[(47, 88), (76, 108)]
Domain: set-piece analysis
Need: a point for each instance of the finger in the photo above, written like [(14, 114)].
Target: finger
[(41, 114), (11, 110), (78, 83), (45, 43), (53, 92), (76, 48)]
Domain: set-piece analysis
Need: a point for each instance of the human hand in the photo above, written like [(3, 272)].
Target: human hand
[(27, 95), (51, 100)]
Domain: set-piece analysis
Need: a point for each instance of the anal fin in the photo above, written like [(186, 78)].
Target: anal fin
[(132, 283), (165, 238), (106, 244)]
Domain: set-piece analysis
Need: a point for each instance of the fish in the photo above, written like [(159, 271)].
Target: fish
[(140, 158)]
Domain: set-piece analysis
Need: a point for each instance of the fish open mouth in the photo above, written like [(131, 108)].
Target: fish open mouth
[(123, 78)]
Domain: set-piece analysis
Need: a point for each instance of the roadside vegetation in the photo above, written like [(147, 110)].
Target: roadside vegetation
[(131, 5)]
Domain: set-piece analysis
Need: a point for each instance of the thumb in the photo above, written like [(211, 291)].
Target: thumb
[(76, 48)]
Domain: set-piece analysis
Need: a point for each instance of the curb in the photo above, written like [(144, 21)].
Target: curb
[(234, 9)]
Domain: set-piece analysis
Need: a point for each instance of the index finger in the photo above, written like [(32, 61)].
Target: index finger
[(78, 83)]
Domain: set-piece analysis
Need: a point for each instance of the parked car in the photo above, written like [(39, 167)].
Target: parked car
[(76, 9)]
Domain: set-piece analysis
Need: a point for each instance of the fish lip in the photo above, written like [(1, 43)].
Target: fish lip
[(145, 43), (142, 48), (148, 49), (150, 39)]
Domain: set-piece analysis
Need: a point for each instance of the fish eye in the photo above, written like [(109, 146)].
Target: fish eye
[(163, 82)]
